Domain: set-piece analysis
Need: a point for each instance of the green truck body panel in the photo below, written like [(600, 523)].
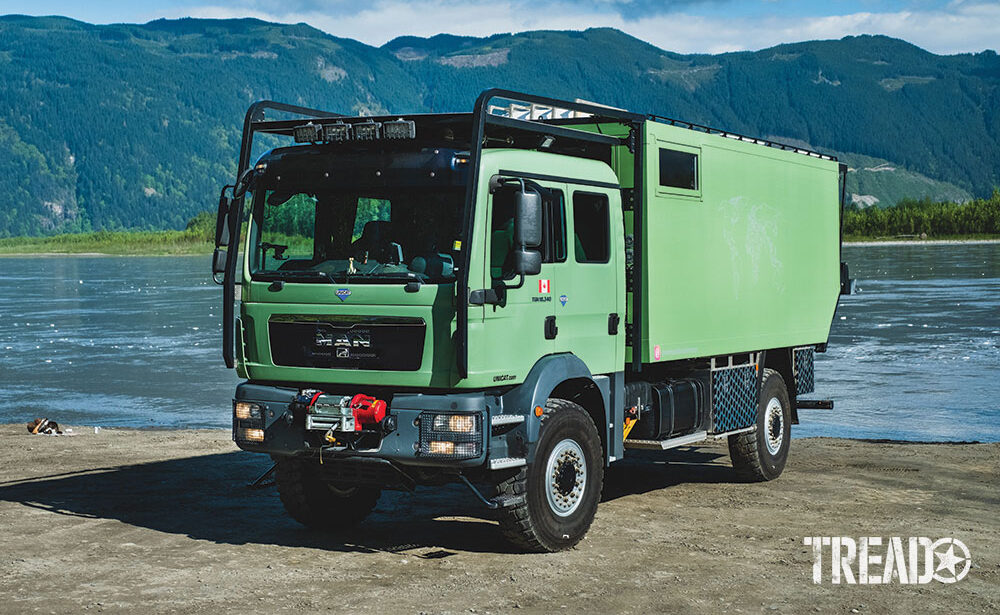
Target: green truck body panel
[(749, 260)]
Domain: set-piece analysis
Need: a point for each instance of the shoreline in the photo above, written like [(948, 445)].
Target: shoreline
[(863, 244)]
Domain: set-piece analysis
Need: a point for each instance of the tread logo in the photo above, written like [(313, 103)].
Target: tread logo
[(916, 561)]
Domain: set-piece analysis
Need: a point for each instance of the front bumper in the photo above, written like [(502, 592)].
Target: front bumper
[(285, 433)]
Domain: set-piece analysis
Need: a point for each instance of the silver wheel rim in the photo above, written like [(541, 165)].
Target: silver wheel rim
[(565, 477), (774, 426)]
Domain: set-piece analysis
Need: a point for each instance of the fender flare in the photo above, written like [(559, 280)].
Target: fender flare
[(548, 373)]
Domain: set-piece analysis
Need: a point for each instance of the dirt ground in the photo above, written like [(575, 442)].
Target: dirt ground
[(163, 522)]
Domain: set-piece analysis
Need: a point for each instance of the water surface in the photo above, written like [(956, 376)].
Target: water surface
[(136, 341)]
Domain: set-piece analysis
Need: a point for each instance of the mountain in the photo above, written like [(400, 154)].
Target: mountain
[(137, 126)]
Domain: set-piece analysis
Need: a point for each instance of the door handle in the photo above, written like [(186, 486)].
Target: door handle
[(613, 321), (551, 330)]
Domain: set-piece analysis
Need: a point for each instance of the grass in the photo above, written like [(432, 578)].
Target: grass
[(191, 241)]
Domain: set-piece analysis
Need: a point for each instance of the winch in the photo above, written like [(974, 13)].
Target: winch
[(341, 413)]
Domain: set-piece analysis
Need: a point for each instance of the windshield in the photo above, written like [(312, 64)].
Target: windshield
[(371, 235)]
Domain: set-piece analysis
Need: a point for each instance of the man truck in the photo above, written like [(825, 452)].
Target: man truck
[(513, 300)]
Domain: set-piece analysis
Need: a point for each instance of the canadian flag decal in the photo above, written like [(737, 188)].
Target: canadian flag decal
[(543, 286)]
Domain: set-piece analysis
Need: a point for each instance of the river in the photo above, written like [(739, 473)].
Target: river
[(135, 341)]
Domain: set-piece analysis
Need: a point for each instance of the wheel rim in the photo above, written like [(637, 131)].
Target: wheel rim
[(565, 477), (774, 426)]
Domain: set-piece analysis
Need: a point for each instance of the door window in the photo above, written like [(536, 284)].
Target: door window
[(591, 234)]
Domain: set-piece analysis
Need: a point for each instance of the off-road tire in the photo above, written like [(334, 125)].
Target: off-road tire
[(532, 524), (318, 504), (751, 458)]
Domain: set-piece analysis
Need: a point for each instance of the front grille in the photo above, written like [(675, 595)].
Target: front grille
[(389, 344)]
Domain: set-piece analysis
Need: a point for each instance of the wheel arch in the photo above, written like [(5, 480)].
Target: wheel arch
[(562, 376)]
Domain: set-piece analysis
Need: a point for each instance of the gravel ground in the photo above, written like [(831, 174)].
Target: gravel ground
[(163, 522)]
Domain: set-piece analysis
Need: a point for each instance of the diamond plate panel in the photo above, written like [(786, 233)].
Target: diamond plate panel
[(804, 371), (734, 398)]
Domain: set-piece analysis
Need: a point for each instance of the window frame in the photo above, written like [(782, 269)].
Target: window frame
[(662, 190)]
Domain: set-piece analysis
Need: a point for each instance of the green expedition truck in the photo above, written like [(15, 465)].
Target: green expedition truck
[(512, 300)]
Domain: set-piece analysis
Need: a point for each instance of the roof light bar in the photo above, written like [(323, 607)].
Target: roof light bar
[(399, 129), (367, 131), (337, 132), (308, 133)]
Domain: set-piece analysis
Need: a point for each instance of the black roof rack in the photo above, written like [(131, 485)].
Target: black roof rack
[(739, 137)]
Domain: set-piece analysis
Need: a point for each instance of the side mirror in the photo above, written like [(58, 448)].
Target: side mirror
[(221, 219), (527, 219), (527, 262), (218, 262)]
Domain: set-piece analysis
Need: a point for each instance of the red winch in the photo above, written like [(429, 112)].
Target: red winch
[(367, 410)]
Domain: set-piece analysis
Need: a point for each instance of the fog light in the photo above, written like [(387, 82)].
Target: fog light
[(246, 411), (441, 448), (457, 423), (252, 435)]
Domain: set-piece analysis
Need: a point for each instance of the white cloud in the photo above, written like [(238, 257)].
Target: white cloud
[(962, 26)]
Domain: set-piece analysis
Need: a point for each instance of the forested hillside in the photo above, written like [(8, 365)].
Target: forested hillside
[(137, 126)]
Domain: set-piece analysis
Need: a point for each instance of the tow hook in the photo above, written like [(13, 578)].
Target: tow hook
[(495, 503)]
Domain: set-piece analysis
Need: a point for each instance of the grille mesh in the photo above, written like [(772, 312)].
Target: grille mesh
[(804, 371), (734, 397), (428, 435)]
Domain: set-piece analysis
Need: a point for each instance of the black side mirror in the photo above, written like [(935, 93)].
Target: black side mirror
[(527, 219), (218, 262), (221, 219), (527, 262)]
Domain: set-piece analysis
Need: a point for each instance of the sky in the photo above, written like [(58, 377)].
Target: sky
[(684, 26)]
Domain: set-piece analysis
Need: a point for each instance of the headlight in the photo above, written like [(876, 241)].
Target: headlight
[(251, 435), (455, 436), (457, 423), (245, 411)]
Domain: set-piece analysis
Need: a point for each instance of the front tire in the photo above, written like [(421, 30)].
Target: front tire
[(760, 455), (318, 504), (560, 490)]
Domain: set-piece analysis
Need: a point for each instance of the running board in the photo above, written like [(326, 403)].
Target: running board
[(814, 404), (662, 445)]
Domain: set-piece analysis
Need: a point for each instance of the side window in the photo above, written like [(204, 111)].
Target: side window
[(591, 233), (678, 169), (502, 231), (554, 227)]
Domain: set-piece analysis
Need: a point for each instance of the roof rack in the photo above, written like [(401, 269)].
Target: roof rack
[(739, 137)]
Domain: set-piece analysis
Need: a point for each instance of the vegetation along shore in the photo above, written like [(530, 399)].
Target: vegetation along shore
[(910, 221)]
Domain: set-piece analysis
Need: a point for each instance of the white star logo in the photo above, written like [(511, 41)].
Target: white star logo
[(949, 560)]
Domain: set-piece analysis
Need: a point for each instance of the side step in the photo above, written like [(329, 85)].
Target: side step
[(507, 462), (814, 404), (662, 445)]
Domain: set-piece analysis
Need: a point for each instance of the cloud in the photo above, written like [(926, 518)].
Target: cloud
[(961, 26)]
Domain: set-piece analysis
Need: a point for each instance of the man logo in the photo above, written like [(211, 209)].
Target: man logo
[(323, 339)]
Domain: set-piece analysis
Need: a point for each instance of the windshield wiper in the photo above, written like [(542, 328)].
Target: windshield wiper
[(303, 275)]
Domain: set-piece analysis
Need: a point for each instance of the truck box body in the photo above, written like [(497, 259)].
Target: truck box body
[(747, 259)]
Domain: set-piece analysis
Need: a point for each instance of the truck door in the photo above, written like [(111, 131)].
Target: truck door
[(519, 333), (588, 288)]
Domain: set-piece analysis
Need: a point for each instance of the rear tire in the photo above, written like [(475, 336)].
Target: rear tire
[(760, 455), (560, 490), (317, 504)]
